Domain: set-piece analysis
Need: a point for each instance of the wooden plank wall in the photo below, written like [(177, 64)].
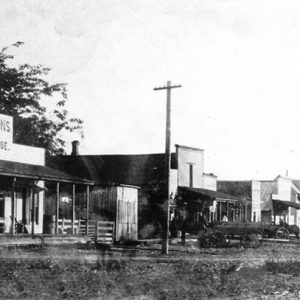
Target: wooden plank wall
[(127, 216), (103, 203)]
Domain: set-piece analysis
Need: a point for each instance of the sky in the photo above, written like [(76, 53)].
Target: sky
[(238, 63)]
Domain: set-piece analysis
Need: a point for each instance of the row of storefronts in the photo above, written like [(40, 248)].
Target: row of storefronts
[(50, 198), (272, 201), (61, 195)]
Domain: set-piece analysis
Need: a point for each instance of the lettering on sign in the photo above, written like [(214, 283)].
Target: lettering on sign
[(6, 132), (3, 145), (5, 126)]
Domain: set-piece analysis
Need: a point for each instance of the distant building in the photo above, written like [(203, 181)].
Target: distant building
[(271, 200)]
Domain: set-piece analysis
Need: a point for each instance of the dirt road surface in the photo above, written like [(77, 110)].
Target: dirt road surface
[(271, 271)]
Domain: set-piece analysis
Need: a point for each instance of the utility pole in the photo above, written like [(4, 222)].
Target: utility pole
[(165, 242)]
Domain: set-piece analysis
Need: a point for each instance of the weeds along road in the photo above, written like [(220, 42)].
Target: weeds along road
[(253, 256), (270, 271)]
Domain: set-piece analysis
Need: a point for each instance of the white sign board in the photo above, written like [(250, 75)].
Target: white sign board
[(15, 152), (6, 133)]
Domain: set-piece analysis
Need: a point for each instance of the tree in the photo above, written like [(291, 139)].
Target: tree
[(22, 91)]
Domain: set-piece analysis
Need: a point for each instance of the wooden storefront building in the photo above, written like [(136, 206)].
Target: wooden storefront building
[(25, 183), (214, 205)]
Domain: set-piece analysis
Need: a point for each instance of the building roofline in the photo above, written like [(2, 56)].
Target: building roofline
[(38, 172), (188, 148), (284, 177), (106, 155), (220, 180), (130, 186)]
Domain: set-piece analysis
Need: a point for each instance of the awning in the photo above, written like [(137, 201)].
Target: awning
[(285, 204), (207, 194), (37, 172)]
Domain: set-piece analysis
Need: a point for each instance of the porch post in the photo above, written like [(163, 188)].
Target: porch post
[(32, 208), (57, 208), (73, 209), (13, 205), (87, 206), (227, 210)]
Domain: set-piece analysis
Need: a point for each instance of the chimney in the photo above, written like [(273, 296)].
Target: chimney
[(75, 145)]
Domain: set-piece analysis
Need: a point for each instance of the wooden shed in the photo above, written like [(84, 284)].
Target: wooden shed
[(118, 204)]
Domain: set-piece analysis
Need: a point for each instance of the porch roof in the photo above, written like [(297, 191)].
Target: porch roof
[(38, 172), (286, 204), (208, 194)]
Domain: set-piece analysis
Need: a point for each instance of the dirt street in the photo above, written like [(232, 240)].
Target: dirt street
[(271, 271)]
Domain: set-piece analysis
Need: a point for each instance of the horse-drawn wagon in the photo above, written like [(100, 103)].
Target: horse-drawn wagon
[(221, 233), (249, 234)]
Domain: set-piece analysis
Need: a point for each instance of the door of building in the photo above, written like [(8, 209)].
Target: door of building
[(2, 213)]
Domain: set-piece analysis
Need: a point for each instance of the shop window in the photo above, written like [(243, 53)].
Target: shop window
[(36, 207), (218, 211), (197, 216), (2, 207), (25, 211), (191, 174)]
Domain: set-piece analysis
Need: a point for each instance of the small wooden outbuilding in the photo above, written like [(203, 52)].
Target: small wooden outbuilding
[(118, 204)]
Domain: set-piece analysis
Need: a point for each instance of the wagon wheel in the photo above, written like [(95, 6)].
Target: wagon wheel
[(218, 240), (251, 239), (282, 233)]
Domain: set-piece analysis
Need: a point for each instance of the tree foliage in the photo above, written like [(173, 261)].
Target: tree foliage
[(22, 90)]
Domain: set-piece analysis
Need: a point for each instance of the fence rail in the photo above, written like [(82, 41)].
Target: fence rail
[(99, 231), (65, 226), (105, 232)]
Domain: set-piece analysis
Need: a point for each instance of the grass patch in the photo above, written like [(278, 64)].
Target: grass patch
[(288, 267)]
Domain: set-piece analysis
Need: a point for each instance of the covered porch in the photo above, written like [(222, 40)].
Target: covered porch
[(26, 193), (214, 205), (285, 211)]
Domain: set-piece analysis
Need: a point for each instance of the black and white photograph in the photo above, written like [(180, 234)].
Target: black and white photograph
[(150, 149)]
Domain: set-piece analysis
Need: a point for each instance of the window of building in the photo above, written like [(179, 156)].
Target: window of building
[(25, 210), (191, 175), (36, 207), (2, 206)]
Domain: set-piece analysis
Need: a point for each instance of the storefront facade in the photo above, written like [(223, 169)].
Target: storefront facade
[(214, 205), (23, 185)]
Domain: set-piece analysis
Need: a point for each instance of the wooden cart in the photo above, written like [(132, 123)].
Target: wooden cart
[(249, 234)]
